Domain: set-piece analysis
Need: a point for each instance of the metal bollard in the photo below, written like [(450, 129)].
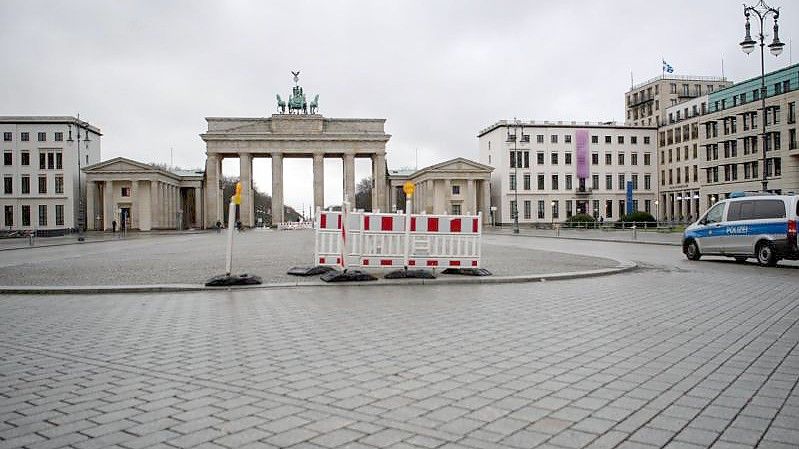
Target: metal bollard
[(635, 233)]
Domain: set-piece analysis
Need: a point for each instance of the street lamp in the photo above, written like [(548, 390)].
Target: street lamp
[(515, 210), (81, 204), (762, 10), (657, 211), (552, 204)]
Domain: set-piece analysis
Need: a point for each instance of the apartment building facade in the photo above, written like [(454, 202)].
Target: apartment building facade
[(646, 103), (42, 160), (679, 161), (549, 171), (732, 137)]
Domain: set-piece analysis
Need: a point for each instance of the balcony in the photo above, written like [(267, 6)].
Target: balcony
[(641, 99), (582, 191)]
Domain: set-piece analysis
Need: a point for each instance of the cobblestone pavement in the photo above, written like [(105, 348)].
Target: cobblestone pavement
[(678, 354), (193, 258), (607, 234)]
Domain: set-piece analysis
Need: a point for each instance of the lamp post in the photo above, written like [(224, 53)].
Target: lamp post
[(762, 10), (552, 207), (81, 208), (515, 210)]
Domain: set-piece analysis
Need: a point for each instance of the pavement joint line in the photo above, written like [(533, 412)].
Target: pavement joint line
[(621, 267), (285, 400)]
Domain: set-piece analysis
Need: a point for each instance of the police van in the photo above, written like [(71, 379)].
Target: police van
[(759, 225)]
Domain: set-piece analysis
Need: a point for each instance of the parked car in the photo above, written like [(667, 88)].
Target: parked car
[(758, 225)]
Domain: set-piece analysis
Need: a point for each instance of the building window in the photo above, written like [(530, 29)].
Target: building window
[(647, 182), (26, 184), (43, 184), (634, 159), (608, 182), (608, 139), (42, 137), (59, 184), (26, 215), (126, 190), (59, 215), (595, 182), (554, 158), (42, 215), (567, 138), (594, 139), (635, 181), (621, 182), (540, 209), (554, 182), (9, 213), (539, 138), (621, 158), (59, 161), (7, 159), (540, 182), (609, 208), (25, 137), (555, 209), (646, 140), (621, 208), (526, 181), (608, 159), (59, 136), (528, 209), (620, 140), (456, 190), (634, 140), (8, 185), (50, 161), (7, 136), (539, 158), (512, 184), (554, 138), (647, 159), (456, 209), (526, 159), (42, 161), (568, 158), (594, 158), (569, 209), (25, 158)]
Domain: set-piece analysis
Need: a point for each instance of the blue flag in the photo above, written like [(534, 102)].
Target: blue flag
[(667, 68)]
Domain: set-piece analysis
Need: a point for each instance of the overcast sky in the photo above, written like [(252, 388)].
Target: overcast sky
[(147, 73)]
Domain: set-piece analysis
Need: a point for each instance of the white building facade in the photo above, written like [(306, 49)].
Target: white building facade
[(549, 171), (41, 171)]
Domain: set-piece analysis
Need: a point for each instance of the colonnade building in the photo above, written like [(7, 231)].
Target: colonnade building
[(549, 171)]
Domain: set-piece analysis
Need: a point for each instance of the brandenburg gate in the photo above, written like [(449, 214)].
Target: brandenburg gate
[(293, 132)]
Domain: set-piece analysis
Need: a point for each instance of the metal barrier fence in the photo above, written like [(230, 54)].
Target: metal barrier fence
[(294, 225), (392, 240)]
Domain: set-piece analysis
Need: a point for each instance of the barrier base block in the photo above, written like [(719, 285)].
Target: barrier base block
[(410, 274), (347, 276), (309, 271), (468, 271), (228, 280)]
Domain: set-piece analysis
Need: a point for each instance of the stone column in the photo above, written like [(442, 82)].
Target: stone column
[(212, 205), (108, 204), (163, 206), (135, 206), (91, 197), (437, 196), (392, 199), (277, 188), (471, 197), (318, 181), (246, 209), (379, 175), (198, 207), (485, 198), (349, 178), (446, 195)]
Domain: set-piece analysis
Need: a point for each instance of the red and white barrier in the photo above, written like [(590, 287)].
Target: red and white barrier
[(382, 240)]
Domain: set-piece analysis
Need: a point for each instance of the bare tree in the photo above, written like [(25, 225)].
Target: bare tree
[(363, 194)]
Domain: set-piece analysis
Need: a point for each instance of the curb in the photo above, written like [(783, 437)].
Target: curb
[(591, 239), (623, 266), (135, 236)]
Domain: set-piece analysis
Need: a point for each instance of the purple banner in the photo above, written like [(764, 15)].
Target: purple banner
[(581, 140)]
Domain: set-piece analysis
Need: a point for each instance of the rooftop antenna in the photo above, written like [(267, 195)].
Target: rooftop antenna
[(416, 165), (171, 160), (722, 67)]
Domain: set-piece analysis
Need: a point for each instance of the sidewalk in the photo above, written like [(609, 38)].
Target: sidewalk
[(606, 235), (89, 237)]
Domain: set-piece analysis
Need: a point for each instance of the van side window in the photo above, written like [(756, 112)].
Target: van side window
[(715, 213), (769, 209), (734, 211)]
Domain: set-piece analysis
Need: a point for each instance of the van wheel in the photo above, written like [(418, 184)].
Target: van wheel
[(692, 251), (765, 254), (741, 259)]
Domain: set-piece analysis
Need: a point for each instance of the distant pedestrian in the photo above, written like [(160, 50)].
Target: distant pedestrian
[(238, 225), (218, 227), (114, 226)]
